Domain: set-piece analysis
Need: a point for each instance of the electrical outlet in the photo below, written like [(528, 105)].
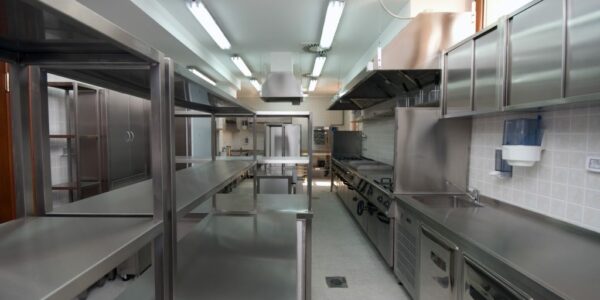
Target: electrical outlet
[(593, 164)]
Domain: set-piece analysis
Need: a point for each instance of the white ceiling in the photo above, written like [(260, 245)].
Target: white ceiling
[(255, 28)]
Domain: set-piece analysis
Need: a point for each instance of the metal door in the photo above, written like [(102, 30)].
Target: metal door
[(292, 139), (138, 119), (274, 140), (119, 137), (436, 269)]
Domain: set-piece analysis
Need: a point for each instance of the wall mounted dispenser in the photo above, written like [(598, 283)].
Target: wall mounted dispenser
[(501, 167), (521, 146)]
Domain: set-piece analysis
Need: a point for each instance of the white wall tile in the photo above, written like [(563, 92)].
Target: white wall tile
[(558, 185)]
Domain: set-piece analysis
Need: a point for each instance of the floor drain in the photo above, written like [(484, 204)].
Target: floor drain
[(336, 282)]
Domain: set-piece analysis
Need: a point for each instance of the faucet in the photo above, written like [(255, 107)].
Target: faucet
[(474, 195)]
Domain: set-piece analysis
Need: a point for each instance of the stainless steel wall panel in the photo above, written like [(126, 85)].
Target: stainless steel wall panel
[(458, 78), (535, 53), (583, 56), (430, 151), (486, 94)]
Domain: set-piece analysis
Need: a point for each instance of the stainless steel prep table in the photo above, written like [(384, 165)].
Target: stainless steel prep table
[(233, 202), (558, 256), (233, 257), (193, 185), (54, 257)]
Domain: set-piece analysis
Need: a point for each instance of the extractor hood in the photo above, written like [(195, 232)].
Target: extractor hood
[(410, 63), (281, 85)]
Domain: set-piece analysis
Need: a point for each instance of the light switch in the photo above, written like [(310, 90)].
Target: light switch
[(593, 164)]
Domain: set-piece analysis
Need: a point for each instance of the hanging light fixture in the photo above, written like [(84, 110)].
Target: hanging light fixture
[(332, 20), (206, 20)]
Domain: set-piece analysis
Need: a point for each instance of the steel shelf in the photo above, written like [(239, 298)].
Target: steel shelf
[(300, 160), (193, 185), (233, 257), (58, 258), (265, 203)]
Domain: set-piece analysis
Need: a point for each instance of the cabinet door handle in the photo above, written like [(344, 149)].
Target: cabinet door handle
[(132, 136), (128, 136)]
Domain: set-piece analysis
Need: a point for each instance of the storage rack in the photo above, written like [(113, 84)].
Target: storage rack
[(82, 142), (60, 257), (88, 239)]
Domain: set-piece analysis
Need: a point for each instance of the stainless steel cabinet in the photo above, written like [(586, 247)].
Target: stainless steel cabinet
[(536, 54), (127, 122), (480, 283), (436, 267), (583, 57), (458, 66), (380, 231), (487, 71)]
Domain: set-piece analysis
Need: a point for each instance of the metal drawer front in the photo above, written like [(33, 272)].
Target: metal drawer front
[(535, 54), (583, 57)]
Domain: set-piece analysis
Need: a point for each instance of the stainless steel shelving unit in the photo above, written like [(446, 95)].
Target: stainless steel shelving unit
[(60, 257)]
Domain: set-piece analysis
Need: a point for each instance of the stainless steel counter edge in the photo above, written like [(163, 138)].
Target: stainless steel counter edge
[(93, 206), (54, 238), (538, 288)]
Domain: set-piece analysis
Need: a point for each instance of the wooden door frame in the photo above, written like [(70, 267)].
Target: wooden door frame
[(8, 208)]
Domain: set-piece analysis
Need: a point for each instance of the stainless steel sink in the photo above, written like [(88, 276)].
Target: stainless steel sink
[(446, 201)]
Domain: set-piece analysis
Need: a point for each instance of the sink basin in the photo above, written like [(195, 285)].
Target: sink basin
[(446, 201)]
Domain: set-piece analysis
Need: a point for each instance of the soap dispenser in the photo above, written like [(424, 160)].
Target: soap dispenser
[(522, 142)]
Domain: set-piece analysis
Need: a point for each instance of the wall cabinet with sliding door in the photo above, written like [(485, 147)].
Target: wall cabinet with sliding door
[(535, 54), (127, 123), (458, 73)]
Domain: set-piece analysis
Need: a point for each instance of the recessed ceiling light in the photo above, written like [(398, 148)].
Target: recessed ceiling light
[(206, 20), (312, 85), (241, 65), (318, 66), (332, 20), (201, 75), (256, 84)]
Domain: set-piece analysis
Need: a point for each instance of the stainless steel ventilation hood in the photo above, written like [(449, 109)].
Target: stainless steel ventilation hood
[(281, 87), (410, 63)]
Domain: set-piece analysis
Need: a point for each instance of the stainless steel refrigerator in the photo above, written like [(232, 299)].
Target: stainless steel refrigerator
[(283, 140)]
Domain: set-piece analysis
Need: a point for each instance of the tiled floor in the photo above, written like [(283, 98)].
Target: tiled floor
[(340, 248)]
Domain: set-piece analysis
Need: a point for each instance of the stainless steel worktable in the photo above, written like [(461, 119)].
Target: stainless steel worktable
[(285, 203), (557, 255), (57, 258), (193, 185), (233, 257)]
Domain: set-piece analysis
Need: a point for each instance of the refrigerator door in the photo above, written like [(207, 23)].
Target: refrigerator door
[(274, 140), (119, 136), (292, 139)]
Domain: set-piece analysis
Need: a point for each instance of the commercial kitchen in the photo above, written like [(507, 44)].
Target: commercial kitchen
[(315, 149)]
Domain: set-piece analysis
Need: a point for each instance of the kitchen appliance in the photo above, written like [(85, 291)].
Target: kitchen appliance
[(346, 144), (480, 283), (436, 265), (281, 85), (430, 152), (283, 140), (408, 65), (380, 230)]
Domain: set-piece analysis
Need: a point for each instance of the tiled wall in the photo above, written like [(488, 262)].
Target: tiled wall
[(379, 141), (559, 185)]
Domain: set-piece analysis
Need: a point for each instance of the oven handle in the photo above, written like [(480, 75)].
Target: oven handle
[(383, 218)]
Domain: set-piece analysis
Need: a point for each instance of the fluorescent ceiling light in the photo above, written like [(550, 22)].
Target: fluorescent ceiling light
[(241, 65), (206, 20), (318, 66), (256, 85), (332, 20), (312, 85), (202, 76)]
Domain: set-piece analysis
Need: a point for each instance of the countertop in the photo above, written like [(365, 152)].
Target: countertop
[(557, 255), (59, 257), (233, 257), (193, 185), (293, 203)]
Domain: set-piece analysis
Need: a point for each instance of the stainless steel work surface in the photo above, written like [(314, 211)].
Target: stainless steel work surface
[(192, 186), (57, 258), (233, 257), (288, 203), (557, 255)]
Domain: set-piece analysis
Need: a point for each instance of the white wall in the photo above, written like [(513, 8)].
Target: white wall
[(558, 186), (495, 9)]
